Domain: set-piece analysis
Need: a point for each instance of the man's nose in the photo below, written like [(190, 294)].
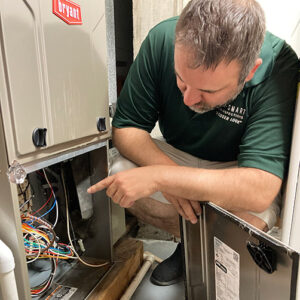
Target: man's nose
[(190, 98)]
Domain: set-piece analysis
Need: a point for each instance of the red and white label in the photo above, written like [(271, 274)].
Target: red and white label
[(68, 11)]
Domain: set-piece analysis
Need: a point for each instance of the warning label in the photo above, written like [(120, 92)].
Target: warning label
[(227, 272), (62, 293)]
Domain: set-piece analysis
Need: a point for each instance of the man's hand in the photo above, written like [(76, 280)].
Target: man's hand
[(124, 188), (128, 186), (186, 208)]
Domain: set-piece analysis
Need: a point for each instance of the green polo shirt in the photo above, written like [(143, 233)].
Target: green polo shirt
[(254, 129)]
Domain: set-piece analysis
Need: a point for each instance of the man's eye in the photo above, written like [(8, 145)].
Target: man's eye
[(179, 78), (208, 92)]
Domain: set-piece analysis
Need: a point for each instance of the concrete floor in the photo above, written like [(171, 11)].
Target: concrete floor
[(149, 291)]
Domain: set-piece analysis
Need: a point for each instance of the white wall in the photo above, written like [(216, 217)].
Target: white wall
[(283, 19), (147, 13)]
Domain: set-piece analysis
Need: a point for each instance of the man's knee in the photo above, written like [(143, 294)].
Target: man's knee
[(253, 220), (155, 209), (120, 164), (155, 212)]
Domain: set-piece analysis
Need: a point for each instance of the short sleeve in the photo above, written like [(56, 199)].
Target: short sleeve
[(266, 141), (138, 103)]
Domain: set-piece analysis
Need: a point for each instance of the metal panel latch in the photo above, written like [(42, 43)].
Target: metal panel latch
[(263, 255)]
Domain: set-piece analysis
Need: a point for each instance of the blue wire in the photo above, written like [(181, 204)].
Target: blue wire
[(47, 212), (61, 251), (29, 223)]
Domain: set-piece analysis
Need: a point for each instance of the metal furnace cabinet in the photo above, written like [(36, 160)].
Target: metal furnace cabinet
[(57, 78)]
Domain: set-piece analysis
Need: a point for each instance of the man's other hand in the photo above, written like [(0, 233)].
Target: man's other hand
[(189, 210)]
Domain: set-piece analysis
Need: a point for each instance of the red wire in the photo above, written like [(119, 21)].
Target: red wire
[(44, 204)]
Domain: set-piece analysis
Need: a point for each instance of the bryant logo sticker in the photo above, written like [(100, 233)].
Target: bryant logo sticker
[(68, 11)]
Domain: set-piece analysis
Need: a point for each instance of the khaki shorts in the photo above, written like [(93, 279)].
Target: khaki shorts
[(269, 216)]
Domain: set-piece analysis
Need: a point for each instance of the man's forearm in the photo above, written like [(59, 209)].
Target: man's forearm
[(236, 189), (137, 145)]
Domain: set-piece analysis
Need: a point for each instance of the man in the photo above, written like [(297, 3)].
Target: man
[(223, 91)]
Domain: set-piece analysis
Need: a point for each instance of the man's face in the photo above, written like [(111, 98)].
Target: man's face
[(204, 90)]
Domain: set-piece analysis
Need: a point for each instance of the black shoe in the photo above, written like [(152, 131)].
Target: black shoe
[(170, 270)]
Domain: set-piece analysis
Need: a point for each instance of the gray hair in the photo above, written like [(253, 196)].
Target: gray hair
[(222, 30)]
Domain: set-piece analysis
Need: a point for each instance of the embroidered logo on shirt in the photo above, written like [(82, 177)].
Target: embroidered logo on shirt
[(231, 113)]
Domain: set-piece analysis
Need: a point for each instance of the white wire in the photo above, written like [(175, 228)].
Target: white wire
[(22, 205), (69, 235), (56, 219), (60, 254), (33, 235)]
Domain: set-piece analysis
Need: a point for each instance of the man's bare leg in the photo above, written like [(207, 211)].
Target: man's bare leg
[(253, 220), (161, 215), (164, 216)]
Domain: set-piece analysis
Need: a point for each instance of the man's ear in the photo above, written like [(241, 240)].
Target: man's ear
[(258, 62)]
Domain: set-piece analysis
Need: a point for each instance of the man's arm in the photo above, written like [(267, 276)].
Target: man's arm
[(137, 145), (239, 189)]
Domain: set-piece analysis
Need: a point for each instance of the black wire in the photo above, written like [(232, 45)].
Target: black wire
[(23, 192)]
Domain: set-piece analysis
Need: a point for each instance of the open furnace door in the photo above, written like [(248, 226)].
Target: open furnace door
[(228, 259)]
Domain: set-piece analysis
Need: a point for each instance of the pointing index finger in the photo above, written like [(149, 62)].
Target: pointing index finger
[(99, 186)]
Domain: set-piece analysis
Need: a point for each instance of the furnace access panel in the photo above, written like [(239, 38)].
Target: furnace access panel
[(54, 82)]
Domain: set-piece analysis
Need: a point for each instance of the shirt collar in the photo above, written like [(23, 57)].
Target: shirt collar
[(270, 48)]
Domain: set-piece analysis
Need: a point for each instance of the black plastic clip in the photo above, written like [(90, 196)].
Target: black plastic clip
[(101, 126), (39, 137), (263, 255)]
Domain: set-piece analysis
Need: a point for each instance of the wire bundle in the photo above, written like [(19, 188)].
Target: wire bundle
[(40, 240)]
